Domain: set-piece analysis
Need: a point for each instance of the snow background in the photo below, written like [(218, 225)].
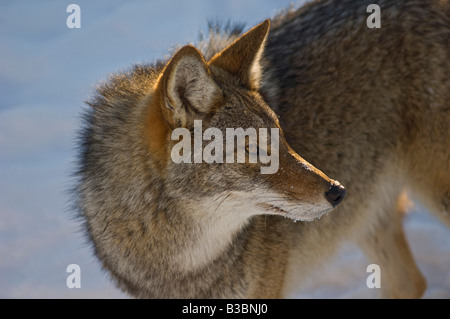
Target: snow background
[(46, 71)]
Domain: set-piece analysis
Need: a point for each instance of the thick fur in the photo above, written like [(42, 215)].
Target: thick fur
[(368, 107)]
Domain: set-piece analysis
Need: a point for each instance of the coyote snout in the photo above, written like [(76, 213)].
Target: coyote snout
[(303, 192), (335, 194)]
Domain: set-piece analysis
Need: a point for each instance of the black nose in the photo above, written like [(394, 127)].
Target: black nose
[(335, 194)]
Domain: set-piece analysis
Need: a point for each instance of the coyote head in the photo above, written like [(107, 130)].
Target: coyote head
[(223, 93)]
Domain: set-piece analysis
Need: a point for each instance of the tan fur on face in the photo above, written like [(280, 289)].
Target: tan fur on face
[(299, 179), (157, 131)]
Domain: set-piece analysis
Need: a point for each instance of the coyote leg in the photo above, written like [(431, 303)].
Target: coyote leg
[(385, 244)]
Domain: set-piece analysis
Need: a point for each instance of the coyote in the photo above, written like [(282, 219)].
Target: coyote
[(368, 107)]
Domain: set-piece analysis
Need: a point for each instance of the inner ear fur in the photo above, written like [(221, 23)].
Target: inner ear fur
[(186, 90)]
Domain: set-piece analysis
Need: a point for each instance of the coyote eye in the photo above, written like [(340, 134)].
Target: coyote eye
[(252, 149)]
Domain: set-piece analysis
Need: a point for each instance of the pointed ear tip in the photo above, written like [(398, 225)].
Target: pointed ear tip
[(263, 27), (184, 52), (188, 49), (265, 24)]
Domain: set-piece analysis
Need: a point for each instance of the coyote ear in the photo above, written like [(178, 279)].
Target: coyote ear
[(187, 88), (242, 57)]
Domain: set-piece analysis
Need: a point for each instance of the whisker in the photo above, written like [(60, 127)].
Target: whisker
[(221, 202)]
